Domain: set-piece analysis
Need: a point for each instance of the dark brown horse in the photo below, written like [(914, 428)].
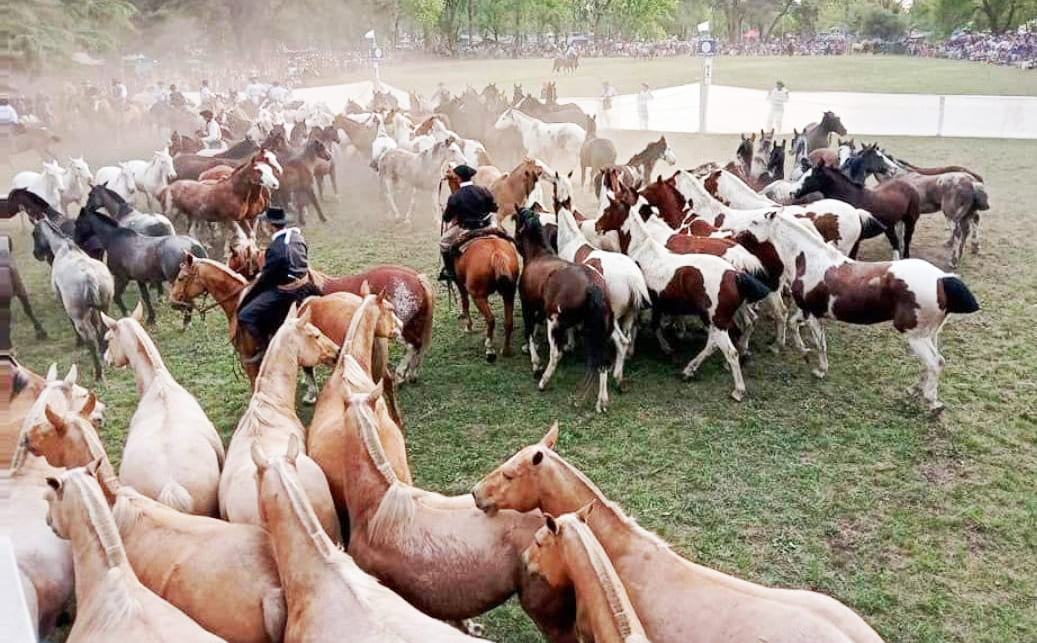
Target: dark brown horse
[(11, 286), (640, 166), (297, 180)]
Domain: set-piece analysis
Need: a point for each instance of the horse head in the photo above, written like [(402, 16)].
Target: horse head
[(833, 123)]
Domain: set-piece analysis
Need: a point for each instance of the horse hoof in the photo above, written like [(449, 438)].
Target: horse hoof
[(491, 357), (41, 335), (819, 374), (309, 400), (737, 395), (936, 410), (744, 358), (687, 377), (774, 348), (507, 352), (622, 385)]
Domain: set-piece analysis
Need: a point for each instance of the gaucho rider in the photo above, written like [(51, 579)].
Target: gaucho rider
[(284, 280), (470, 208)]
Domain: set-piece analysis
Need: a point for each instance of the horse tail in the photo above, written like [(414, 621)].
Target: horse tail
[(597, 329), (957, 295), (503, 276), (870, 225), (173, 494), (750, 288), (980, 201), (638, 287), (744, 260)]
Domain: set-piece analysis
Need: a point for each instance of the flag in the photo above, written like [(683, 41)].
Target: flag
[(370, 35), (704, 27)]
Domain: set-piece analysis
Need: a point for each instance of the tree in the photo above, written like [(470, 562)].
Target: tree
[(883, 24)]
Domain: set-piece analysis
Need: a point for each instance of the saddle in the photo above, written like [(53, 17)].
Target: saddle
[(469, 236)]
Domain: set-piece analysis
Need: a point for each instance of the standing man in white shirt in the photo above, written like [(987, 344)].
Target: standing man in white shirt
[(256, 90), (608, 92), (643, 98), (279, 93), (776, 98), (205, 95)]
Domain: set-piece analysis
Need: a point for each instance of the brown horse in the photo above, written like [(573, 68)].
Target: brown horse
[(677, 600), (297, 180), (17, 288), (515, 187), (488, 265)]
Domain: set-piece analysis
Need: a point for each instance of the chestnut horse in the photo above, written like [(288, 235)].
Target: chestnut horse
[(488, 265), (677, 600)]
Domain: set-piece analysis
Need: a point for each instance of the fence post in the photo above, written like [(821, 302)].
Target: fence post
[(707, 78), (939, 121)]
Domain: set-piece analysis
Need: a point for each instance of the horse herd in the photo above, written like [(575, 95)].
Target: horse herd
[(253, 531)]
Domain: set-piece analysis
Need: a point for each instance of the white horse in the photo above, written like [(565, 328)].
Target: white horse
[(119, 179), (553, 141), (417, 171), (381, 144), (76, 184), (154, 175), (46, 185)]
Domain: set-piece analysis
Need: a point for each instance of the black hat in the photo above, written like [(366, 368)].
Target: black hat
[(465, 172), (205, 113), (275, 216)]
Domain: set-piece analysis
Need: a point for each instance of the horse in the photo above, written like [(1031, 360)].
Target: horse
[(132, 256), (563, 294), (625, 286), (418, 171), (690, 284), (183, 144), (913, 294), (816, 135), (111, 602), (270, 420), (640, 166), (7, 265), (550, 141), (119, 179), (77, 181), (665, 589), (153, 175), (515, 187), (553, 112), (325, 168), (565, 553), (205, 551), (566, 63), (441, 554), (152, 225), (168, 420), (595, 153), (296, 182), (190, 166), (84, 286), (326, 591), (486, 265), (760, 156), (892, 203), (48, 185)]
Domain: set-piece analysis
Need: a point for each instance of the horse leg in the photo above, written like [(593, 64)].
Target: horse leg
[(817, 332), (312, 198), (723, 342), (509, 320), (529, 324), (311, 385), (660, 336), (795, 323), (975, 233), (484, 307), (961, 235), (707, 350), (388, 188), (776, 307), (146, 297), (410, 207), (621, 342), (894, 239), (629, 328), (334, 180), (909, 232), (925, 348), (555, 335), (462, 294), (120, 285), (23, 296)]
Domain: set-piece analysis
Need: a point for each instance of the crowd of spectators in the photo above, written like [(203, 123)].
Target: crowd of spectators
[(1016, 49)]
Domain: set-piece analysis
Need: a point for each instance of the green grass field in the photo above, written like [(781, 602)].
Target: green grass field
[(926, 528)]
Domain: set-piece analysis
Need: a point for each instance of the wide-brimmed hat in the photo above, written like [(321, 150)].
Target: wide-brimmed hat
[(205, 113), (276, 216), (780, 84), (465, 172)]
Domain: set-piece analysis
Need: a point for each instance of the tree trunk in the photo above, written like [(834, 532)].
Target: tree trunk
[(471, 16), (777, 18)]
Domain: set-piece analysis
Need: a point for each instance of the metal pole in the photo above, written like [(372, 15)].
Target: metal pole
[(939, 121), (707, 78), (377, 73)]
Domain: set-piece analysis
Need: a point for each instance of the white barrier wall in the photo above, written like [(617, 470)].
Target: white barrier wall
[(735, 109)]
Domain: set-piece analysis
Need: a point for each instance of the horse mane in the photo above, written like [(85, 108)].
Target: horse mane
[(100, 519), (604, 571), (354, 324), (303, 510), (36, 199), (808, 235), (147, 346)]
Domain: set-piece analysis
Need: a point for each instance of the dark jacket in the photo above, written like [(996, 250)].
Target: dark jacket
[(470, 207), (285, 262)]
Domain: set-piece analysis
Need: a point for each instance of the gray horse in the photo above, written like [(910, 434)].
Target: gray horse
[(816, 134), (595, 153), (84, 286)]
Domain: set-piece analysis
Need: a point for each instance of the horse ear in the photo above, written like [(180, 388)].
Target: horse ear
[(258, 456), (108, 321), (188, 259), (88, 407), (94, 466), (293, 311), (306, 314), (52, 372), (55, 420), (570, 175), (365, 289), (138, 312), (770, 216), (585, 510), (73, 375), (551, 437), (293, 449), (54, 484), (551, 523)]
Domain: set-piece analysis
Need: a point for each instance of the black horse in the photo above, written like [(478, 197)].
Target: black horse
[(132, 256), (152, 225), (37, 209)]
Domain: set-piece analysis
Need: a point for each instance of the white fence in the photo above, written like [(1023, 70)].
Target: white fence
[(735, 109)]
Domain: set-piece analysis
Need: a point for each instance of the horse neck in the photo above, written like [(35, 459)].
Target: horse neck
[(144, 359), (223, 284), (278, 375), (599, 591), (568, 230), (703, 203), (371, 473), (359, 341), (794, 239), (844, 189), (97, 549)]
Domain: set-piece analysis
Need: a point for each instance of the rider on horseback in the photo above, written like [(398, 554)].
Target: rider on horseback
[(284, 280), (212, 135), (470, 208)]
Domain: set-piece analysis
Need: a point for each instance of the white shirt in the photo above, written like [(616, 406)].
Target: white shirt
[(119, 91), (205, 94), (279, 93), (643, 97), (212, 132), (778, 97), (287, 232), (464, 183), (256, 91), (8, 115)]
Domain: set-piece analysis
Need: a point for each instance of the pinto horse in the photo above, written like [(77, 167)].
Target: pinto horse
[(893, 202), (640, 166), (564, 294)]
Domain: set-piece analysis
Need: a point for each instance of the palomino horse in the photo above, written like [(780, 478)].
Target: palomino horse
[(815, 135), (326, 593), (487, 265), (206, 552), (270, 420), (417, 171), (677, 600), (111, 602), (893, 203), (915, 295), (440, 553), (84, 286), (690, 284), (515, 187), (554, 142), (563, 294), (169, 421), (565, 553)]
